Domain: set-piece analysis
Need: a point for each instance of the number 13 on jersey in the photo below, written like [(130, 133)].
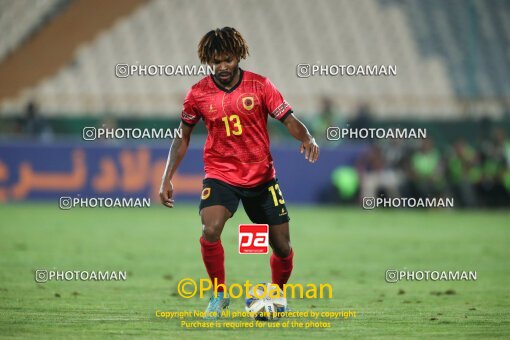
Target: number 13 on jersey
[(237, 129)]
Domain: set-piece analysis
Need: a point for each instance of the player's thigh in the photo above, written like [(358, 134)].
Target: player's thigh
[(266, 205), (218, 203)]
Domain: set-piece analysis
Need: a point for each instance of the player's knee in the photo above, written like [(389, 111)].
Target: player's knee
[(212, 231), (281, 249)]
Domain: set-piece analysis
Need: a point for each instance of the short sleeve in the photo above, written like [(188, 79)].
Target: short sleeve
[(277, 107), (190, 115)]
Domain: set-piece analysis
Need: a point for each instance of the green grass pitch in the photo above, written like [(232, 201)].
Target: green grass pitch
[(348, 248)]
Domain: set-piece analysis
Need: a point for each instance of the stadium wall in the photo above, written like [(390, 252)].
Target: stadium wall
[(34, 171)]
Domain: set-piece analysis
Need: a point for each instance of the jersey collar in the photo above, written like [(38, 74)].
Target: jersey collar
[(241, 72)]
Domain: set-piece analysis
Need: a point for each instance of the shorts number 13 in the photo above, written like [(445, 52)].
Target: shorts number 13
[(273, 189)]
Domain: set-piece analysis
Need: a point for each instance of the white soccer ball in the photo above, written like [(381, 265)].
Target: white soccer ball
[(266, 302)]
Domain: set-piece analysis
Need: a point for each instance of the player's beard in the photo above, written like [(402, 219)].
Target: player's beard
[(225, 81)]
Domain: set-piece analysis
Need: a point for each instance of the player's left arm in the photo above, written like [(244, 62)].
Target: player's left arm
[(299, 131)]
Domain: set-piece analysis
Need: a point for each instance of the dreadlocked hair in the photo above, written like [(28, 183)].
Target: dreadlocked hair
[(225, 40)]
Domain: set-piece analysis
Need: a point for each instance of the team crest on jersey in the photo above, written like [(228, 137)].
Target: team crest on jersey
[(247, 103), (211, 108), (206, 193)]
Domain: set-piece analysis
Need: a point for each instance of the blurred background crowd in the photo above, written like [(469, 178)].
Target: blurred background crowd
[(473, 169)]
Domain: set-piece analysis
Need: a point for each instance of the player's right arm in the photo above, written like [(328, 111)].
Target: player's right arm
[(175, 155), (190, 115)]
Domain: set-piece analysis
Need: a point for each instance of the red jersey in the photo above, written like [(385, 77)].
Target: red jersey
[(237, 146)]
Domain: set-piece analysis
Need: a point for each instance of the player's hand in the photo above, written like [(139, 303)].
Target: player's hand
[(311, 150), (166, 192)]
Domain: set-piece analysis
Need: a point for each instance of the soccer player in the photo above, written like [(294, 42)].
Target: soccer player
[(235, 104)]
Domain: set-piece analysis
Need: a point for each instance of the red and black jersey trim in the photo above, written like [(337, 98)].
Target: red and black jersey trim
[(288, 113), (186, 123), (280, 110)]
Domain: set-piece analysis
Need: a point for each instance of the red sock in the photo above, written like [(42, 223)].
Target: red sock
[(281, 268), (214, 260)]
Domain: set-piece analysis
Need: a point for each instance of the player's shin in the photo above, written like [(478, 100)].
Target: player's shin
[(214, 261), (281, 268)]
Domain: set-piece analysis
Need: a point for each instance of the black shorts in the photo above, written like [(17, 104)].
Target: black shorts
[(263, 204)]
